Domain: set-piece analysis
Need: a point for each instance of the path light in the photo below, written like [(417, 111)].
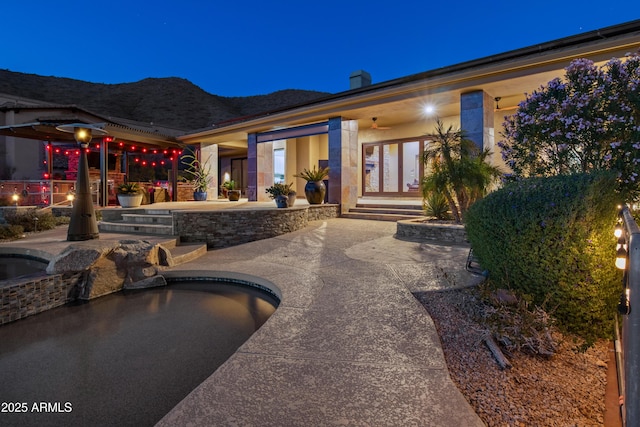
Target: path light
[(83, 224), (15, 198)]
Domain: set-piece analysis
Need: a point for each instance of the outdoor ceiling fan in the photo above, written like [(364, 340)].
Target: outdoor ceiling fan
[(375, 126)]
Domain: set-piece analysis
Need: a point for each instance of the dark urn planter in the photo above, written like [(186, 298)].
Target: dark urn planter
[(282, 201), (199, 196), (234, 195), (314, 191)]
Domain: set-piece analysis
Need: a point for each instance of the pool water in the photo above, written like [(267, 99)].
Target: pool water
[(12, 266), (127, 358)]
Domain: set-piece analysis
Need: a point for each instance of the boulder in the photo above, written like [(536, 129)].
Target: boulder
[(109, 266)]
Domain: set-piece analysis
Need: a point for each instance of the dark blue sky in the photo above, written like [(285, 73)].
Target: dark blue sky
[(243, 47)]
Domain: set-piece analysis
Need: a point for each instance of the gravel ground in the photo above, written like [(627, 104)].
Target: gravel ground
[(566, 389)]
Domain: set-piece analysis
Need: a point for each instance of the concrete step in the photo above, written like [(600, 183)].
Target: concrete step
[(413, 206), (387, 210), (158, 211), (185, 252), (376, 216), (135, 228), (147, 218)]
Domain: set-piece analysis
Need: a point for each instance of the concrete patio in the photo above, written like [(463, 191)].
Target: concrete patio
[(348, 345)]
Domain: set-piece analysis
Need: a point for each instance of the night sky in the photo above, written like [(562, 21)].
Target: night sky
[(244, 48)]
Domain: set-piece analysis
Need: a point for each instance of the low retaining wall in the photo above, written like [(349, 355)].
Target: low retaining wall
[(420, 229), (230, 227), (24, 297)]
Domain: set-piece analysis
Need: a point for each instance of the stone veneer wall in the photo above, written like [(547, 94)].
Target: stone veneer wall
[(20, 298), (418, 230), (223, 228)]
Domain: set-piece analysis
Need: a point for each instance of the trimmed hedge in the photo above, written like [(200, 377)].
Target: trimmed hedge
[(551, 240)]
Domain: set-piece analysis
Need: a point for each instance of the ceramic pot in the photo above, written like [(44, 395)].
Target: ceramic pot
[(130, 200), (282, 201), (314, 191), (234, 195), (199, 196)]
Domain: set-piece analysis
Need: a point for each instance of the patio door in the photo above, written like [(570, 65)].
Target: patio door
[(392, 168)]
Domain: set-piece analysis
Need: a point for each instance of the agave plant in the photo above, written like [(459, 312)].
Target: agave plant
[(313, 175)]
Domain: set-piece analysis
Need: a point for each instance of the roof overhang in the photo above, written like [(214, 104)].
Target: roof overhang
[(509, 75), (47, 131)]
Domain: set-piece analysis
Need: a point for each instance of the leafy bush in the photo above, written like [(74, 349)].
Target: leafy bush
[(8, 231), (27, 219), (551, 240)]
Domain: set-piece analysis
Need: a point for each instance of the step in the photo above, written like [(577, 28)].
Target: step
[(387, 210), (414, 206), (376, 216), (185, 252), (127, 227), (147, 218)]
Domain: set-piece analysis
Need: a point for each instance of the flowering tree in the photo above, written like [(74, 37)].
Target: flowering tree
[(590, 120)]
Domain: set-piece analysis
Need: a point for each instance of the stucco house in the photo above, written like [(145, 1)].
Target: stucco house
[(372, 135)]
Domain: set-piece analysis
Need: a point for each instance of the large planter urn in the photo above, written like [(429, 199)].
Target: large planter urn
[(314, 191), (199, 196), (130, 200)]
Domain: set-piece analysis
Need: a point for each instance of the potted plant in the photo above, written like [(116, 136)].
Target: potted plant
[(232, 193), (130, 195), (198, 173), (280, 193), (315, 189)]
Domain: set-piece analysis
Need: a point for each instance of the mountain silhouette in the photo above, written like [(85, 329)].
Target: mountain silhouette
[(172, 101)]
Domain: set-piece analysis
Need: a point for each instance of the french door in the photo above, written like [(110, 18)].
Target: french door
[(392, 168)]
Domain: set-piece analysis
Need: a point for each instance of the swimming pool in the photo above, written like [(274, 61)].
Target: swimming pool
[(13, 266), (126, 358)]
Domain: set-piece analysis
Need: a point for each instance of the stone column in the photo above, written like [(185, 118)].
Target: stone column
[(264, 170), (343, 162), (476, 118), (252, 167), (209, 155)]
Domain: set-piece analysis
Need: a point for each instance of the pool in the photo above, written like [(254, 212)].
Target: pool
[(126, 358), (14, 266)]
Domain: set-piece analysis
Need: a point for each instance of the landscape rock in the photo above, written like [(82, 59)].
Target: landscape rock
[(109, 266)]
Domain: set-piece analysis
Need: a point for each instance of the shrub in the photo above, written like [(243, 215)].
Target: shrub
[(8, 231), (436, 205), (27, 220), (551, 240)]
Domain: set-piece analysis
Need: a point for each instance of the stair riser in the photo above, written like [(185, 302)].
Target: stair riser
[(137, 229), (147, 219)]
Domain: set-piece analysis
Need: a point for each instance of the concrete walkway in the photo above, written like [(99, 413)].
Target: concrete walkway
[(348, 345)]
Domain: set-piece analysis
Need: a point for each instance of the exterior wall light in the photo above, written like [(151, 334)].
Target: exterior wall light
[(15, 198), (621, 258)]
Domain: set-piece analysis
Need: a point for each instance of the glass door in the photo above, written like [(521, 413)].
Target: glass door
[(392, 168)]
